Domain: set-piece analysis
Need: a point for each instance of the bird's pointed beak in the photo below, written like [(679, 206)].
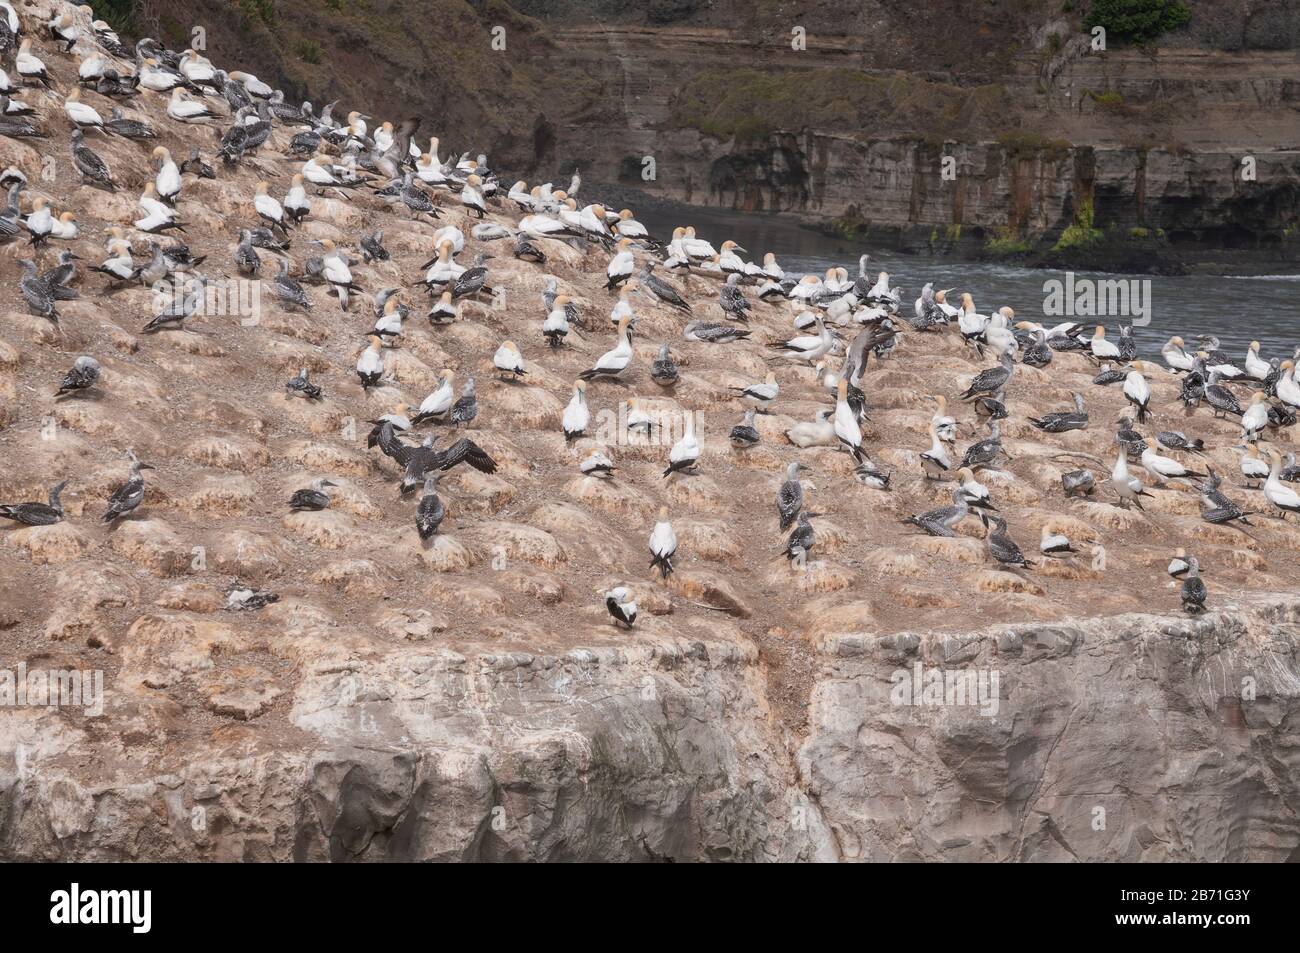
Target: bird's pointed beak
[(146, 466)]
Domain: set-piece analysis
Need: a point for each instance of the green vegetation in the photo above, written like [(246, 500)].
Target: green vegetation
[(119, 14), (264, 10), (309, 51), (1006, 242), (1080, 233), (1136, 21), (1020, 144), (1108, 100), (953, 232), (749, 104), (1138, 233)]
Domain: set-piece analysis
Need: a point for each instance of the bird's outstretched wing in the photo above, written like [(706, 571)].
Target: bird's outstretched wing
[(465, 450)]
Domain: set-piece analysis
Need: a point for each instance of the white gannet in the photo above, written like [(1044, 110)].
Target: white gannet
[(846, 423), (576, 415), (370, 365), (1255, 419), (82, 116), (1165, 468), (336, 271), (40, 221), (975, 493), (944, 424), (621, 266), (1054, 543), (259, 89), (935, 461), (268, 208), (183, 109), (819, 432), (1102, 349), (296, 204), (1288, 391), (806, 347), (969, 321), (729, 261), (1253, 468), (697, 249), (197, 69), (759, 396), (1256, 366), (389, 323), (1137, 391), (508, 360), (118, 266), (621, 606), (64, 227), (613, 362), (471, 196), (167, 181), (444, 310), (592, 222), (1176, 356), (1127, 487), (29, 67), (663, 544), (440, 399), (629, 227), (685, 454), (1277, 493), (596, 464), (556, 326)]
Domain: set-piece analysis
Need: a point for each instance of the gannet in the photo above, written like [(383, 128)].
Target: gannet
[(745, 434), (1193, 593), (183, 109), (1281, 496), (1175, 355), (130, 494), (941, 522), (40, 221), (167, 181), (1253, 468), (733, 301), (81, 115), (697, 248), (259, 89), (84, 374), (313, 498), (301, 386), (418, 462), (820, 432), (1216, 507), (1061, 422), (246, 258), (157, 217), (576, 415), (629, 227), (1255, 419), (556, 326), (1127, 487), (991, 381), (1053, 542), (1107, 375), (597, 464), (623, 306), (64, 227), (621, 606), (63, 29), (1288, 390), (1222, 400), (118, 266), (685, 453), (389, 323), (613, 362), (370, 365), (1137, 391), (708, 332), (268, 207), (36, 292), (986, 452), (1102, 349), (661, 290), (29, 67), (759, 396), (846, 423), (1001, 546), (430, 512), (801, 541), (508, 360), (397, 419), (808, 348), (663, 371), (789, 496), (1078, 483), (197, 69), (935, 461), (621, 265), (336, 271), (174, 314), (1165, 468), (1037, 354), (36, 514), (439, 401), (975, 493), (944, 424), (970, 322), (663, 544), (128, 128)]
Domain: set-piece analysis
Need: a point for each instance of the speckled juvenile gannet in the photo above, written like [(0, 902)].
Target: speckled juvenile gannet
[(661, 290), (36, 514), (1002, 547), (84, 374), (615, 361), (130, 494), (301, 386), (663, 544), (802, 539), (1063, 421), (663, 371), (708, 332), (991, 381), (430, 512), (312, 498), (621, 606), (789, 496), (576, 415), (745, 434), (1193, 593), (941, 522)]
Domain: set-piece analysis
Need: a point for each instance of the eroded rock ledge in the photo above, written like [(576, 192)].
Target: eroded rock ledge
[(1128, 738)]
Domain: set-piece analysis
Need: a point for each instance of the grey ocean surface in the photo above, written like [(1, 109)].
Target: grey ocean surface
[(1237, 310)]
